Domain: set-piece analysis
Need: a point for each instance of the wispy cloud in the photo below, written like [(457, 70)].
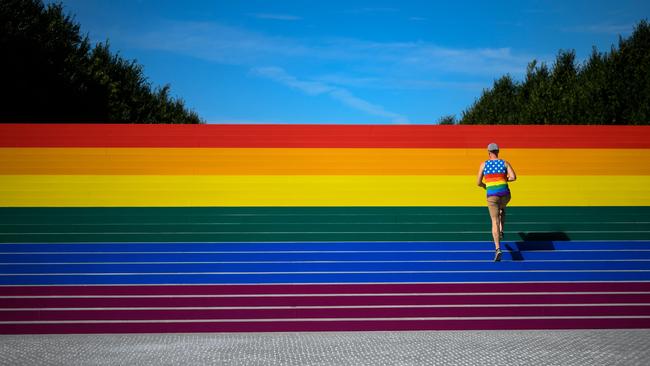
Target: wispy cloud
[(372, 10), (220, 120), (417, 19), (342, 95), (423, 60), (538, 11), (275, 16), (239, 121), (220, 43), (280, 75), (391, 83), (601, 28)]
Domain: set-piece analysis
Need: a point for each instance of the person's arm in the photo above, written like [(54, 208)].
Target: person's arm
[(479, 179), (512, 176)]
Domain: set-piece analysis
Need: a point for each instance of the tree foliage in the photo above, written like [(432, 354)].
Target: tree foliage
[(609, 88), (449, 119), (51, 73)]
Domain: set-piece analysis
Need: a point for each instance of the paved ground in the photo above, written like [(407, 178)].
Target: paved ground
[(593, 347)]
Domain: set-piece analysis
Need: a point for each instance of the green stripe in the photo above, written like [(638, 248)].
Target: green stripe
[(53, 213), (317, 223), (325, 226)]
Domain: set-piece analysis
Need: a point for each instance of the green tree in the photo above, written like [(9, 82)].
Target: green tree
[(51, 73), (533, 95), (610, 88), (449, 119), (496, 106), (563, 90)]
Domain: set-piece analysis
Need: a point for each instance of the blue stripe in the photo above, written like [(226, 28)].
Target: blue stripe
[(320, 267), (322, 256), (319, 246), (573, 254)]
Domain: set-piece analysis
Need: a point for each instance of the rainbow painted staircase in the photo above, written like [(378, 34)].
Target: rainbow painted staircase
[(224, 228)]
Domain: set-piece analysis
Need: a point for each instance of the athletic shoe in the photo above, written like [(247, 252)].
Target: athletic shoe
[(497, 255)]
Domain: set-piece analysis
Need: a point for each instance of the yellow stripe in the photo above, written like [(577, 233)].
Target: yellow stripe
[(217, 161), (86, 190)]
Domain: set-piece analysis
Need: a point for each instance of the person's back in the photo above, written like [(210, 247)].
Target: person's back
[(494, 175)]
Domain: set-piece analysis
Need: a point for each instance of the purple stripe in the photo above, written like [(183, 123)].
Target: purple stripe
[(319, 313), (322, 300), (323, 289), (313, 326), (289, 295), (499, 193)]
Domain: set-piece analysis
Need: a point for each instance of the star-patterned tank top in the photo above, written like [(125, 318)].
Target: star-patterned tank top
[(495, 175)]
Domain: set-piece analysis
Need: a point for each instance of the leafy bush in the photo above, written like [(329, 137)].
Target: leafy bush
[(51, 73), (610, 88)]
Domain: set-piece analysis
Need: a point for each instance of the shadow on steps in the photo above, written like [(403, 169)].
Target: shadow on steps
[(534, 241)]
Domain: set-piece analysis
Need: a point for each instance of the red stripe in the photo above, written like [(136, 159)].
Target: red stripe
[(116, 290), (280, 326), (319, 313), (379, 136), (321, 300), (494, 177)]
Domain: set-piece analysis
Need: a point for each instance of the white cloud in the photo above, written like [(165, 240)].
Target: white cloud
[(371, 10), (351, 80), (219, 43), (244, 121), (280, 75), (604, 28), (275, 16), (373, 109), (342, 95), (369, 82), (416, 60), (239, 121)]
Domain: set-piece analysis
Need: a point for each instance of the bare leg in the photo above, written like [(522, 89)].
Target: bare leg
[(496, 224), (502, 217), (495, 217)]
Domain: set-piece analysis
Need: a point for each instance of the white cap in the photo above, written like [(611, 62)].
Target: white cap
[(493, 147)]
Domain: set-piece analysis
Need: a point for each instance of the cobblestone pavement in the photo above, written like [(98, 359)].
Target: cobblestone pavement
[(593, 347)]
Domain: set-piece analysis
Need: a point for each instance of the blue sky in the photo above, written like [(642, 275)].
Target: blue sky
[(347, 62)]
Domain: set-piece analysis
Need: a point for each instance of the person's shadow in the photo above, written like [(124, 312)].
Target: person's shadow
[(535, 241)]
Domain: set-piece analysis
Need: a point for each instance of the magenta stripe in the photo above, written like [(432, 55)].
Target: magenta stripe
[(322, 300), (289, 295), (321, 289), (279, 326), (100, 315)]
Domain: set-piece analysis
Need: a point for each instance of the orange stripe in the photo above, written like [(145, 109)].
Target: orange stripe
[(315, 161)]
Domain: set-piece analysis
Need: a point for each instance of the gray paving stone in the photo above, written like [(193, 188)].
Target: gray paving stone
[(566, 348)]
